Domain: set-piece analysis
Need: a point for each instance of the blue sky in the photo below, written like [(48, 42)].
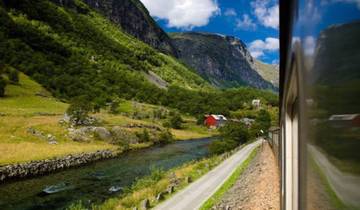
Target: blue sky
[(253, 21)]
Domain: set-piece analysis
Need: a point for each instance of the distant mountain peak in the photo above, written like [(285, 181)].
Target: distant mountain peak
[(222, 60)]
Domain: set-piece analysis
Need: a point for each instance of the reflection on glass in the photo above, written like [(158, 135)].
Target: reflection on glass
[(332, 77)]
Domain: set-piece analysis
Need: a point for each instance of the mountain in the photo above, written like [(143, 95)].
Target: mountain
[(224, 61), (133, 18), (267, 71), (73, 50)]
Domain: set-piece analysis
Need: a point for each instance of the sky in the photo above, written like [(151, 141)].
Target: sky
[(255, 22)]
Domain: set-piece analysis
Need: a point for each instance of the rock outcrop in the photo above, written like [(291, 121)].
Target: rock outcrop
[(222, 60), (134, 18)]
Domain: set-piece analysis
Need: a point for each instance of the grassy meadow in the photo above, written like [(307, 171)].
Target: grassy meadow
[(28, 105)]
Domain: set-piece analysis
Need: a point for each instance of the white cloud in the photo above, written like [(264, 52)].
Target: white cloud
[(230, 12), (184, 14), (267, 13), (309, 45), (245, 23), (259, 47)]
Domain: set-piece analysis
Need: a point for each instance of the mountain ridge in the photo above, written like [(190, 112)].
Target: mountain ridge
[(222, 60)]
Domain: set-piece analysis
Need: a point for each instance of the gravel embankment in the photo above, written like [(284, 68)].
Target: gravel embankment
[(257, 188)]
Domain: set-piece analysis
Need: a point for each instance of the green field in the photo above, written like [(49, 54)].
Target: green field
[(28, 105)]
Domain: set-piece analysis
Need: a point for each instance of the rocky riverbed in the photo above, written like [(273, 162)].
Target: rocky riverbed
[(257, 188)]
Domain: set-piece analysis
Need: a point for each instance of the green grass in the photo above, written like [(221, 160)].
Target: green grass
[(24, 99), (214, 199), (23, 107)]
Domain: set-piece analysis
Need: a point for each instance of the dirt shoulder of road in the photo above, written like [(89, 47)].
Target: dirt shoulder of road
[(257, 188)]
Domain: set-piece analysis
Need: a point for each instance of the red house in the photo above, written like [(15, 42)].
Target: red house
[(214, 121)]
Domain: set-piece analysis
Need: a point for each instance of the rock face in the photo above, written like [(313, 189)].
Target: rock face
[(134, 18), (222, 60)]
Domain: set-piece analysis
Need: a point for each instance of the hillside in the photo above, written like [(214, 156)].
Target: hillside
[(269, 72), (133, 18), (73, 51), (224, 61), (28, 105)]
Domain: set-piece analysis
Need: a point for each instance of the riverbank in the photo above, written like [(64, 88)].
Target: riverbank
[(98, 182), (37, 168), (46, 166), (149, 191)]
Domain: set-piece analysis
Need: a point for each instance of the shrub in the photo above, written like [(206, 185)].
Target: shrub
[(176, 121), (144, 136), (235, 131), (165, 137), (114, 106), (78, 110), (13, 74), (221, 146), (2, 87), (200, 119), (263, 121)]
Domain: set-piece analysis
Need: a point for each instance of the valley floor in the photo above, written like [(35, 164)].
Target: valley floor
[(29, 108)]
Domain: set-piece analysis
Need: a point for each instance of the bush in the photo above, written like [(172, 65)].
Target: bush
[(13, 74), (261, 125), (114, 106), (264, 120), (200, 120), (165, 137), (220, 146), (78, 110), (144, 136), (2, 87), (236, 132), (176, 121)]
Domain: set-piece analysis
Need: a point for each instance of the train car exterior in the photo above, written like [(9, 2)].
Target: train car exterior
[(319, 145)]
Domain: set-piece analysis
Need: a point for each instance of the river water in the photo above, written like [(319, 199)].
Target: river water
[(92, 183)]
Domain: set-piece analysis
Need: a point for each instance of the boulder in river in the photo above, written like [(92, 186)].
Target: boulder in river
[(57, 188)]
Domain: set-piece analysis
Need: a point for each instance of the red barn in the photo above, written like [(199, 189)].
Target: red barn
[(214, 121)]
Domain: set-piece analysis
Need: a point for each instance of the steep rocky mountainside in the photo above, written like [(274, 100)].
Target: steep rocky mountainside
[(132, 17), (222, 60), (74, 51)]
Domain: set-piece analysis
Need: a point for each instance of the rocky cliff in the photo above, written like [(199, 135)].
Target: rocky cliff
[(222, 60), (133, 18)]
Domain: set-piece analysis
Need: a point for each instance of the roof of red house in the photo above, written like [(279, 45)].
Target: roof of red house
[(218, 117)]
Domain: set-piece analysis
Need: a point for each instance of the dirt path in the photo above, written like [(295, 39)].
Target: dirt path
[(196, 193), (257, 188)]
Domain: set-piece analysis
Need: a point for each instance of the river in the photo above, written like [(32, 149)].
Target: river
[(92, 183)]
